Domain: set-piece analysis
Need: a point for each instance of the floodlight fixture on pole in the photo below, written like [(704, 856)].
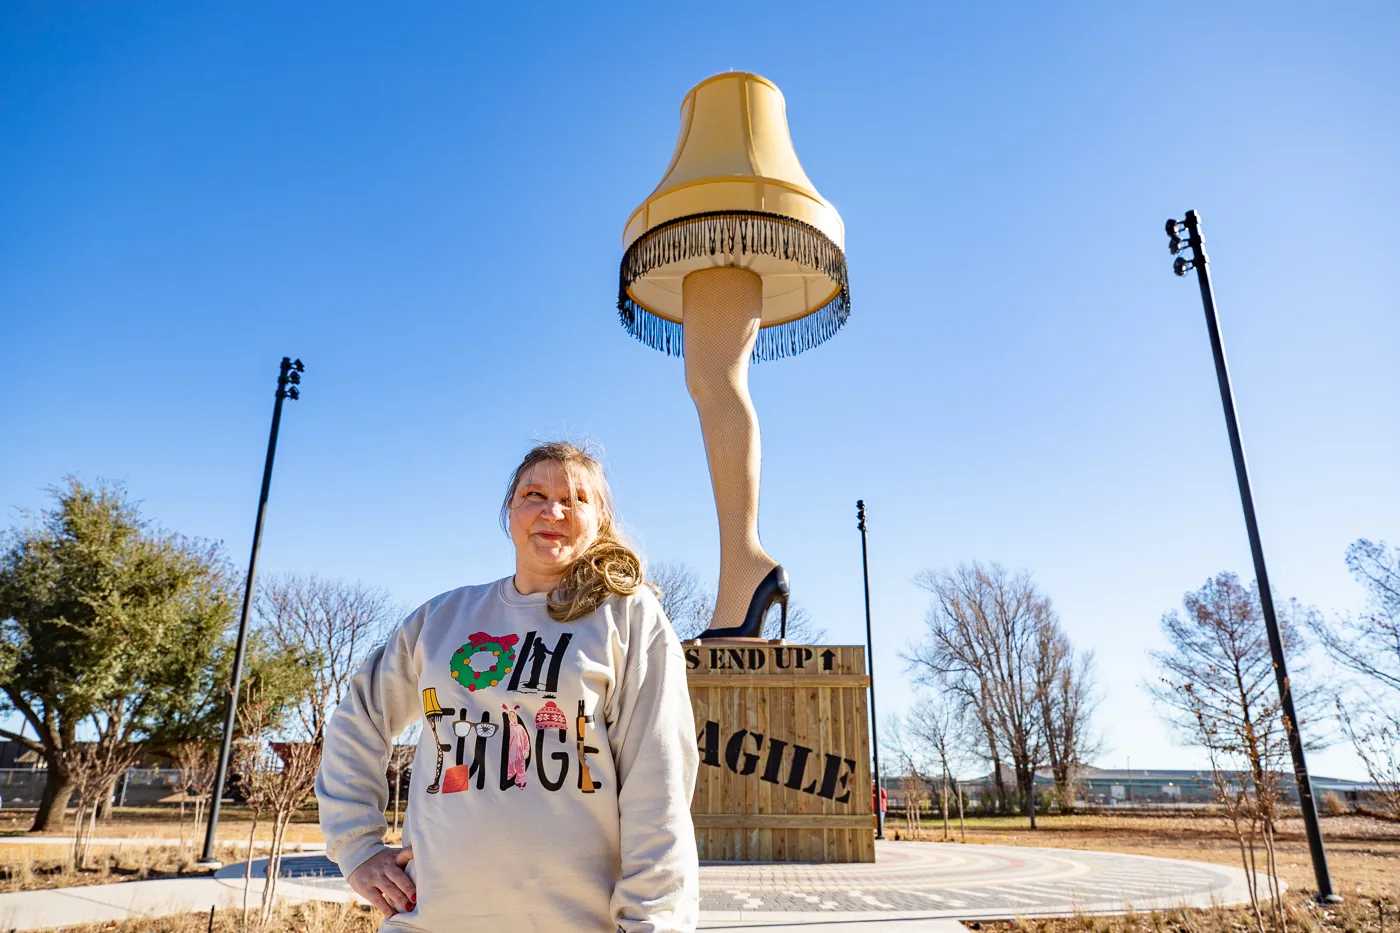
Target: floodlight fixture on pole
[(870, 661), (288, 382), (1186, 235)]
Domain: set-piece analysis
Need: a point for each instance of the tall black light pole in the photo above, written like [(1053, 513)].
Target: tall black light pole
[(288, 378), (870, 660), (1194, 242)]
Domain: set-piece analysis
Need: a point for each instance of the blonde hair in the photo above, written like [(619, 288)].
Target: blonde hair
[(609, 566)]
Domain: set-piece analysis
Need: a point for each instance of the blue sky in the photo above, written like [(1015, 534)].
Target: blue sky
[(425, 204)]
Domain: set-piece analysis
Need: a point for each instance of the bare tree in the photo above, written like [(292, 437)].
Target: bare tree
[(980, 710), (195, 764), (334, 625), (1375, 734), (276, 778), (914, 767), (690, 606), (801, 628), (935, 740), (95, 768), (294, 782), (1245, 766), (1067, 708), (251, 769), (1368, 646), (682, 596), (913, 787), (1219, 669), (985, 630)]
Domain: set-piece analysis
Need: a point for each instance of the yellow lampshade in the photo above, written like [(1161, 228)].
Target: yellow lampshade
[(431, 706), (736, 195)]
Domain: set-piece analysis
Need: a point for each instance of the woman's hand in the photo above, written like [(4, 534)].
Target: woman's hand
[(381, 880)]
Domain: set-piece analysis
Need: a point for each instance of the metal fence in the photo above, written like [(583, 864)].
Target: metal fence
[(146, 786), (21, 787), (139, 787)]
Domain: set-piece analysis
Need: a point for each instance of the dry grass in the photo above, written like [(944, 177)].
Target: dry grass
[(1354, 915), (164, 823), (44, 866), (35, 868), (312, 917)]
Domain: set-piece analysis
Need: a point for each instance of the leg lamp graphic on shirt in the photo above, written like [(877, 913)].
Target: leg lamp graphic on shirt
[(517, 745), (484, 660), (432, 710)]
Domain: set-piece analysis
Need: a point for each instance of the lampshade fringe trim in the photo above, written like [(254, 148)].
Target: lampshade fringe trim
[(747, 233)]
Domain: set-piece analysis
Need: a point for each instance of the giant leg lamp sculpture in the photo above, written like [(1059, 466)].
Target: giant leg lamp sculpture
[(734, 258)]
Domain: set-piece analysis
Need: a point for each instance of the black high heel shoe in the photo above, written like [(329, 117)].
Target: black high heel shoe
[(771, 589)]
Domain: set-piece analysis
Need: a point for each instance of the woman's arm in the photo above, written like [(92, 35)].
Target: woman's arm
[(351, 787), (653, 743)]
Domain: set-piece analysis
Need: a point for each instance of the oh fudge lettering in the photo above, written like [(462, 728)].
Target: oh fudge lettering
[(744, 750), (488, 661), (547, 756)]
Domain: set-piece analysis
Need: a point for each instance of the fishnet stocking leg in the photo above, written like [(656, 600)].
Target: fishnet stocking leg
[(721, 308)]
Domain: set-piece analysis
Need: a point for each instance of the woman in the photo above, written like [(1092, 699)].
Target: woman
[(571, 809)]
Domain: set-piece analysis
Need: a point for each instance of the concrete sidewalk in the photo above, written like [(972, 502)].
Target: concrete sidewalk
[(123, 900), (98, 903), (310, 877), (66, 907), (912, 888)]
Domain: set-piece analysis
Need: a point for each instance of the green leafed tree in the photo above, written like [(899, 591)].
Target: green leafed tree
[(112, 631)]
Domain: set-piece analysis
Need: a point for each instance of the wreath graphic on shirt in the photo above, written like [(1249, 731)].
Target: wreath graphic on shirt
[(501, 657)]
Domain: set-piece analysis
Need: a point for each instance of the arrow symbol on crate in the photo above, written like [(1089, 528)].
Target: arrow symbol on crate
[(827, 657)]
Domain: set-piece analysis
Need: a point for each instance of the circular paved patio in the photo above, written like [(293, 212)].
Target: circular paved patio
[(920, 879)]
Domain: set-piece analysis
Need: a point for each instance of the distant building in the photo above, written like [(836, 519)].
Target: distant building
[(1140, 787), (15, 755)]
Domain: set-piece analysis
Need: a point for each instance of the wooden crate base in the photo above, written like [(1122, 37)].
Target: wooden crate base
[(784, 744)]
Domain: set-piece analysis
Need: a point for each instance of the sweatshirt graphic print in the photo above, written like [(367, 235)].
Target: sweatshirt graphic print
[(552, 782)]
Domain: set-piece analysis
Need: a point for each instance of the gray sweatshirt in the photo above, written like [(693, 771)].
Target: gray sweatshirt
[(561, 800)]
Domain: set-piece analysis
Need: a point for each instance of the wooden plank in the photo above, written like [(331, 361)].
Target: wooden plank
[(764, 791), (750, 786), (780, 724), (713, 792), (728, 784), (800, 698), (813, 737), (746, 821)]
